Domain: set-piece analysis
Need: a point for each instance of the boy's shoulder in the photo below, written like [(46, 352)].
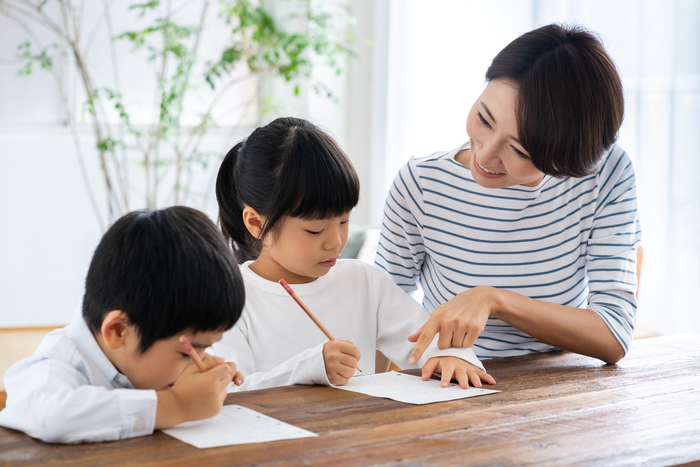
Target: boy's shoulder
[(72, 346), (56, 345)]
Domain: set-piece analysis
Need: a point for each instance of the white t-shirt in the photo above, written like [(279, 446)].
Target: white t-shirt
[(274, 343)]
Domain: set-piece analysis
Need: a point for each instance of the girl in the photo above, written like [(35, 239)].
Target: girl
[(285, 196)]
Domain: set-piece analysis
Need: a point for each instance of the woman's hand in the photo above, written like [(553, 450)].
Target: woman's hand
[(458, 321)]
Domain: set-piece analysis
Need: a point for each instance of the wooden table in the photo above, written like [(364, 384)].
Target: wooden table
[(555, 409)]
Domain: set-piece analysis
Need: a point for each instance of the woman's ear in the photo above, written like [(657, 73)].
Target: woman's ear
[(115, 327), (253, 222)]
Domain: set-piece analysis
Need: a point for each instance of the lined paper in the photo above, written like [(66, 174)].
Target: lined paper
[(410, 389), (235, 425)]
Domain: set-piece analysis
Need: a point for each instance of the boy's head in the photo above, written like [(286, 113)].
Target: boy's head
[(154, 276)]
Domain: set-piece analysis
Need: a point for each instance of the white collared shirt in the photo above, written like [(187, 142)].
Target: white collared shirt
[(69, 392)]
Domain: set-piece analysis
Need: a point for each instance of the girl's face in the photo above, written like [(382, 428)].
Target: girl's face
[(302, 250), (497, 159)]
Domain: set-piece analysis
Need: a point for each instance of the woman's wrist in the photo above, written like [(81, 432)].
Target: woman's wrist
[(504, 303)]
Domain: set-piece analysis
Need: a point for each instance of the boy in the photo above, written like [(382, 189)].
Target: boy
[(119, 369)]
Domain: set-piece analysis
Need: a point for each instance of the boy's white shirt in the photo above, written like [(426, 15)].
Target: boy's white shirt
[(275, 344), (69, 392)]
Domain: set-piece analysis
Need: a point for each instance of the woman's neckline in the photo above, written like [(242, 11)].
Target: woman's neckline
[(466, 147)]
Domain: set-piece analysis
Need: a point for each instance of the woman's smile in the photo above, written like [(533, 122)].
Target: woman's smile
[(483, 171)]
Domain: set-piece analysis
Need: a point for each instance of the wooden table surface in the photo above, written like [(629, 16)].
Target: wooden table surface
[(554, 409)]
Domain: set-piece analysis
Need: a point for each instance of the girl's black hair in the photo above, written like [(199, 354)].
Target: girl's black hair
[(169, 270), (288, 167)]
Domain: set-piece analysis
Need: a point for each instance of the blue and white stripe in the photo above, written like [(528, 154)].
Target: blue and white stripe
[(567, 241)]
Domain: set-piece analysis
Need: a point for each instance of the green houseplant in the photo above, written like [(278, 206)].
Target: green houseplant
[(168, 147)]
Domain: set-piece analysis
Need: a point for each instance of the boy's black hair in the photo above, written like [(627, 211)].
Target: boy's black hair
[(288, 167), (169, 270)]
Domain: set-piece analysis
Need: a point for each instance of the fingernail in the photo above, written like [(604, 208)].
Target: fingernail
[(411, 359), (425, 375), (220, 359), (443, 384)]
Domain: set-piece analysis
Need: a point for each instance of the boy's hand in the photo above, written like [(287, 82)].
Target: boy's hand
[(340, 358), (456, 368), (195, 395)]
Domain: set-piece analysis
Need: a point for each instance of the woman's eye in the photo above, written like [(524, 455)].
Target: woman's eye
[(520, 153), (483, 120)]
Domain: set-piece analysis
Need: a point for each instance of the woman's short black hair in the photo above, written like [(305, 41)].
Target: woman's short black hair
[(169, 270), (570, 103), (289, 167)]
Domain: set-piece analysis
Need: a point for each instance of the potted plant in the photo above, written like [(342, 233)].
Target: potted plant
[(190, 84)]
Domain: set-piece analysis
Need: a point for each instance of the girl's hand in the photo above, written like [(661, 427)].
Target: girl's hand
[(456, 368), (340, 358), (458, 321), (237, 375)]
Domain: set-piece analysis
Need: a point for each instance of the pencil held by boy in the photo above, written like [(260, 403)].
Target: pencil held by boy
[(285, 196), (119, 369)]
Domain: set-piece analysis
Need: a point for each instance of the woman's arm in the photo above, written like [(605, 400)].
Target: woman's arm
[(461, 320)]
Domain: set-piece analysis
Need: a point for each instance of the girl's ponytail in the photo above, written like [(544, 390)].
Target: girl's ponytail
[(245, 246)]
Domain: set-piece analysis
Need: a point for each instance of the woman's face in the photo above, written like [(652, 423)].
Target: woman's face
[(496, 159)]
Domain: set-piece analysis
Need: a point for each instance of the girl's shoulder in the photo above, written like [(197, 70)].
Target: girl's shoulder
[(355, 271), (352, 266)]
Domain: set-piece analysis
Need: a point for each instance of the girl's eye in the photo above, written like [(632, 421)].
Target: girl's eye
[(482, 120), (520, 153), (345, 222), (184, 355), (314, 233)]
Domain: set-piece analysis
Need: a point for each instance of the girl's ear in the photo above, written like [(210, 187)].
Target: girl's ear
[(115, 327), (253, 221)]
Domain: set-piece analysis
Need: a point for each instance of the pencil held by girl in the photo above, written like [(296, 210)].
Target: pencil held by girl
[(285, 196)]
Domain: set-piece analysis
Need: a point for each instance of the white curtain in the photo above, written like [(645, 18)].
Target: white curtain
[(439, 52)]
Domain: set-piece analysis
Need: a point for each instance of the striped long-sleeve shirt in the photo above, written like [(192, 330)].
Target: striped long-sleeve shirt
[(566, 241)]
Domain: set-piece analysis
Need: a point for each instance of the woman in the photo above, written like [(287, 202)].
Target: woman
[(523, 239)]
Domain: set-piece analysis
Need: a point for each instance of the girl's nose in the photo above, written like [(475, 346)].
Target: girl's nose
[(334, 240)]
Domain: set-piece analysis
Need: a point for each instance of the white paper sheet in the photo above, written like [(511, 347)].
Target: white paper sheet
[(235, 425), (410, 389)]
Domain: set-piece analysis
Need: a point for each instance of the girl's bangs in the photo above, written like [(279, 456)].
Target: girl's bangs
[(330, 194)]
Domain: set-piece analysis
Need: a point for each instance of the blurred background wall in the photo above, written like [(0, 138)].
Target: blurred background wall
[(417, 67)]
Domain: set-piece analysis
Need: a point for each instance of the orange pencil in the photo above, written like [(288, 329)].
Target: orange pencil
[(193, 355), (303, 306)]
